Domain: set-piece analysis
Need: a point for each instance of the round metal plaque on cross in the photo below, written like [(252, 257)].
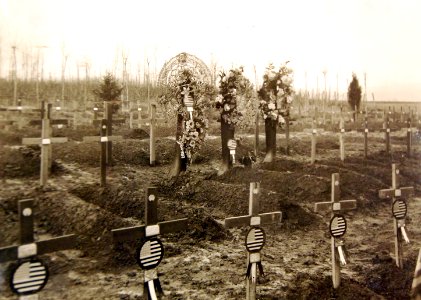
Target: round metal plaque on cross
[(255, 239), (399, 209), (337, 226), (232, 145), (150, 254), (29, 277)]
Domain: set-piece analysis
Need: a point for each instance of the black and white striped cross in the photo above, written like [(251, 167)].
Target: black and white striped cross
[(255, 238), (398, 195), (104, 139), (337, 226), (31, 275), (151, 251)]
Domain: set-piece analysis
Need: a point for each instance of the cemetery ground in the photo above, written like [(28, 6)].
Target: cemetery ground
[(207, 261)]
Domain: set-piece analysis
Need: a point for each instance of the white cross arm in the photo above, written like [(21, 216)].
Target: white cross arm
[(401, 192)]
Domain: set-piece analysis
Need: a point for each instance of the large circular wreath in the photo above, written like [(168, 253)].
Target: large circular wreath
[(276, 93), (234, 99), (187, 87)]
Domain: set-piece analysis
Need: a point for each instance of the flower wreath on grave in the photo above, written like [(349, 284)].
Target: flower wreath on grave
[(194, 131), (276, 93), (234, 99)]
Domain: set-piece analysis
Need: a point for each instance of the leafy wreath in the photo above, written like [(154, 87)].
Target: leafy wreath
[(234, 99), (276, 93), (194, 131)]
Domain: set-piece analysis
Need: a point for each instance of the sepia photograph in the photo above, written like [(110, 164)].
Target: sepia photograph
[(216, 150)]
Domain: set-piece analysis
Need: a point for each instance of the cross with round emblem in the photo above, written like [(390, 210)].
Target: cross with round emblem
[(398, 196), (337, 226), (150, 252), (30, 274), (255, 237)]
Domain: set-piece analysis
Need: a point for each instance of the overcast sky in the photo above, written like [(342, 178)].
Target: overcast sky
[(378, 37)]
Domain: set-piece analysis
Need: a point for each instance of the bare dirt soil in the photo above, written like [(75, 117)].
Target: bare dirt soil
[(207, 261)]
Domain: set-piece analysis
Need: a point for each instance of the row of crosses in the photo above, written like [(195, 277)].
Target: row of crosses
[(31, 274)]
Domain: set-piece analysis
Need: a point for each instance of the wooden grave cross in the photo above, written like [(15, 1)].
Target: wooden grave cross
[(31, 275), (131, 116), (341, 139), (108, 115), (337, 226), (45, 143), (151, 121), (386, 130), (104, 139), (255, 238), (45, 113), (399, 209), (365, 137), (151, 251)]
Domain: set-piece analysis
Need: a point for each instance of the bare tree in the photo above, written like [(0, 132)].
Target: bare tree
[(14, 75), (63, 70)]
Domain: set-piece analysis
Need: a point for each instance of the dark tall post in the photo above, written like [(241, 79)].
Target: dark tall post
[(109, 116), (103, 158), (365, 137), (26, 221)]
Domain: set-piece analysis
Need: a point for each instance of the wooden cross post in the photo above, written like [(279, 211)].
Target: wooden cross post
[(45, 143), (151, 121), (96, 110), (313, 141), (416, 283), (341, 139), (399, 209), (108, 112), (365, 131), (151, 251), (365, 137), (108, 115), (408, 137), (255, 238), (336, 206), (386, 130), (32, 280), (104, 139)]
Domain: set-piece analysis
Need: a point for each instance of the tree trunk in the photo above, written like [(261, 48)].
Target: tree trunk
[(180, 164), (270, 131), (227, 133)]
